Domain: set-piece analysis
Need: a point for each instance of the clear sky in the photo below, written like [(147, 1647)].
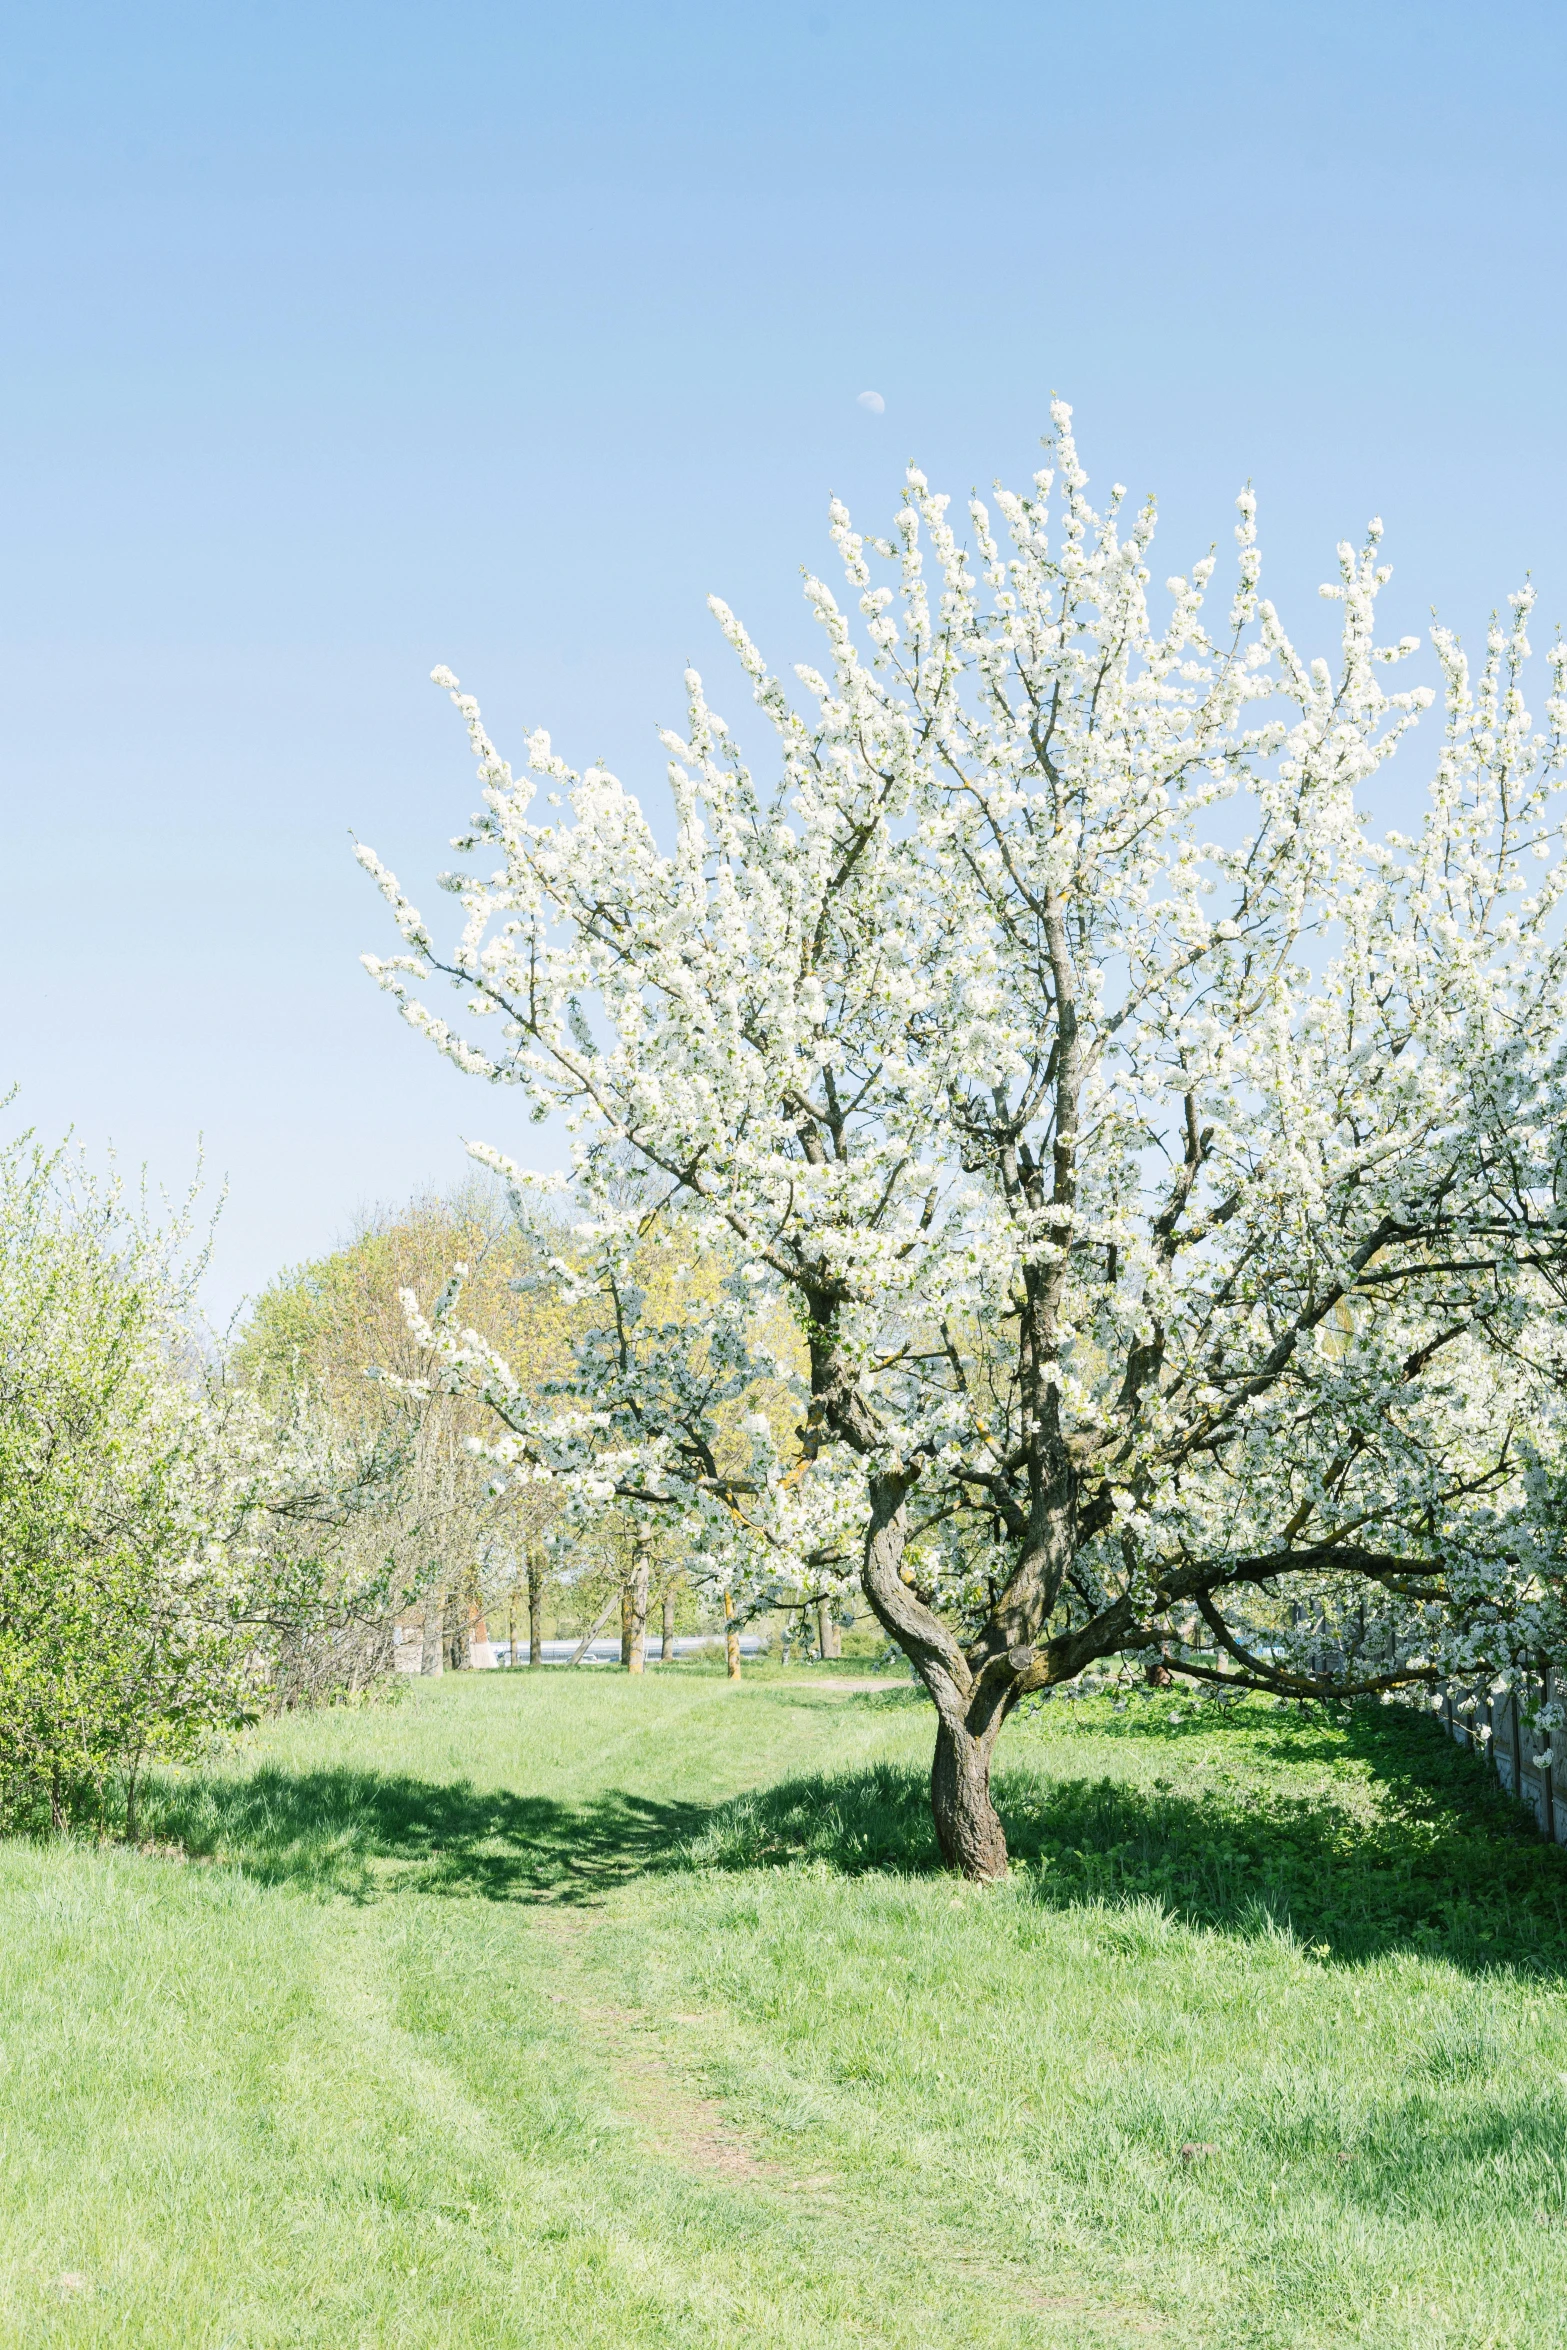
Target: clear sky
[(344, 339)]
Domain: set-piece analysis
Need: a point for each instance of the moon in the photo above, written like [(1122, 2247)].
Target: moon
[(873, 403)]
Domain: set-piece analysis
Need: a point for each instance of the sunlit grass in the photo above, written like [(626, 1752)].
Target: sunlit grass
[(563, 2009)]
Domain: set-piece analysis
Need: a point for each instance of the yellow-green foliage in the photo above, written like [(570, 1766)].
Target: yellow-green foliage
[(338, 1325), (340, 1315), (116, 1638)]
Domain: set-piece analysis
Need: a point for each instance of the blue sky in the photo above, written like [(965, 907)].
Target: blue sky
[(347, 339)]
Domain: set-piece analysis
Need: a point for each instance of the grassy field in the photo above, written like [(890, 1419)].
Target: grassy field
[(571, 2010)]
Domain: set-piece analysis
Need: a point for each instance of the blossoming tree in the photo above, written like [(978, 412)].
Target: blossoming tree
[(1163, 1162)]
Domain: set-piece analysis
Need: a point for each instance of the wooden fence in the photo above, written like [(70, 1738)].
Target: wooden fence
[(1515, 1750)]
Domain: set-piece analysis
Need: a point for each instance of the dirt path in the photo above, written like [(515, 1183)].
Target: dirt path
[(677, 2119), (682, 2124)]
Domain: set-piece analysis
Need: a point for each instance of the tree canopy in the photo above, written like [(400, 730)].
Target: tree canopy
[(1162, 1162)]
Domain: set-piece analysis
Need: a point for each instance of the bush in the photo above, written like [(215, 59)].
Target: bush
[(118, 1633)]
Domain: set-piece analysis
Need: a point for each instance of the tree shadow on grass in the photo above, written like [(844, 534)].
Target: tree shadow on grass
[(362, 1833), (1437, 1862), (1440, 1862), (366, 1833)]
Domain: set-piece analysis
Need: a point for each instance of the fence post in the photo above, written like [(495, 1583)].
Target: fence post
[(1548, 1775)]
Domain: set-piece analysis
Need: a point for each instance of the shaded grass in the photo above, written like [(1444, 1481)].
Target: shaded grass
[(357, 1833), (1360, 1837), (367, 2050), (290, 1811)]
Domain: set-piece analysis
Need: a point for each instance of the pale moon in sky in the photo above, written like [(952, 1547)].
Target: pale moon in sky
[(873, 404)]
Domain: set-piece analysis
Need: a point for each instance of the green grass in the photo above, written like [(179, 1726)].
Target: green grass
[(570, 2010)]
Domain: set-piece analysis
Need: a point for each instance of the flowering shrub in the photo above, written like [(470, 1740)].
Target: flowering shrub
[(1163, 1168), (117, 1592)]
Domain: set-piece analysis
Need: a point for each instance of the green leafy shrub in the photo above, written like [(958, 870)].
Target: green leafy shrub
[(119, 1635)]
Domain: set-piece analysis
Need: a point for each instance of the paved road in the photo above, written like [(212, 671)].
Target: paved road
[(559, 1652)]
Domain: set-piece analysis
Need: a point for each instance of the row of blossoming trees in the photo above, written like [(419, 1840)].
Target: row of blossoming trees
[(1132, 1177)]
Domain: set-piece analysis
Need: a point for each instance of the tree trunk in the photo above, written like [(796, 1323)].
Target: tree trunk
[(535, 1608), (430, 1634), (667, 1652), (636, 1647), (731, 1638), (131, 1777), (593, 1631), (969, 1710), (829, 1639), (454, 1632), (972, 1838), (625, 1627)]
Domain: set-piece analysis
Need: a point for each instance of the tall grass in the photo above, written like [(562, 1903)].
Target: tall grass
[(544, 2009)]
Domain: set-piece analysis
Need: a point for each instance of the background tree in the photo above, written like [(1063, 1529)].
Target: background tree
[(1078, 1115), (655, 1439), (337, 1328)]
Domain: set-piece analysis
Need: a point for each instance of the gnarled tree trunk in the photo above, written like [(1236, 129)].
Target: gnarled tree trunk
[(970, 1705), (971, 1836), (829, 1639), (667, 1651)]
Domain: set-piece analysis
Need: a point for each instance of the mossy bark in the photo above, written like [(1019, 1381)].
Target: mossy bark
[(968, 1829)]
